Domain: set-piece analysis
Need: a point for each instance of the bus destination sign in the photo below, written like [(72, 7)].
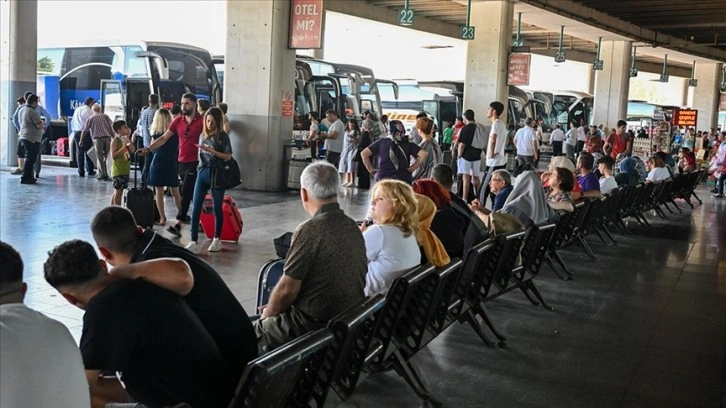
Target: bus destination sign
[(685, 117)]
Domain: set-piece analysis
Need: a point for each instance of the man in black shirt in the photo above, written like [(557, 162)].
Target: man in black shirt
[(122, 242), (470, 148), (147, 333)]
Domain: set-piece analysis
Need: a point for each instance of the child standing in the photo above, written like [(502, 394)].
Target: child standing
[(121, 150)]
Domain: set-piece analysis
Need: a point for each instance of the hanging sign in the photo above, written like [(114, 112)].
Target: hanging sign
[(684, 117), (468, 32), (306, 24), (722, 102), (287, 106), (518, 69), (405, 16)]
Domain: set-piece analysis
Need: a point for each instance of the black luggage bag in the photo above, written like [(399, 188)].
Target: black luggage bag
[(140, 201)]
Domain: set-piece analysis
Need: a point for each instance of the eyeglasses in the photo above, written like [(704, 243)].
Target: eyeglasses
[(496, 179)]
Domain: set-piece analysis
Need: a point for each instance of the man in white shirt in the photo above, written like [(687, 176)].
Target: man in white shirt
[(526, 142), (80, 116), (333, 137), (581, 139), (41, 365), (556, 138), (571, 141), (607, 181), (495, 158)]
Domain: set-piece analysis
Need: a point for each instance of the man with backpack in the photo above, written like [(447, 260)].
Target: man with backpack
[(472, 141)]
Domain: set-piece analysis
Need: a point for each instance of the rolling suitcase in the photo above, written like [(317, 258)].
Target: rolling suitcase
[(62, 146), (140, 201), (232, 225), (269, 275)]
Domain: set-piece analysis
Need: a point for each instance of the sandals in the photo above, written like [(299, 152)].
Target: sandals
[(175, 230)]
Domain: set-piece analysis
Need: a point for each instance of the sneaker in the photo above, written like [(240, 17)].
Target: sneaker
[(81, 175), (717, 196), (193, 247), (175, 230), (91, 173), (17, 171), (215, 246)]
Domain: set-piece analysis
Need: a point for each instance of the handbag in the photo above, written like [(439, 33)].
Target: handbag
[(225, 174)]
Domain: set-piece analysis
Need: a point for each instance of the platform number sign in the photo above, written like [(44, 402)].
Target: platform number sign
[(597, 65), (468, 32), (664, 77), (693, 82), (633, 72), (405, 17), (560, 56)]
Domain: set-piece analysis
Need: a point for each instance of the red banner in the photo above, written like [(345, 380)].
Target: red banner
[(684, 117), (518, 69), (306, 24)]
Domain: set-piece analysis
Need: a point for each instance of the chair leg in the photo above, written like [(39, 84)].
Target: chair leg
[(602, 238), (660, 213), (482, 312), (529, 287), (668, 207), (471, 319), (560, 261), (415, 380), (676, 205), (693, 193), (587, 248), (607, 232)]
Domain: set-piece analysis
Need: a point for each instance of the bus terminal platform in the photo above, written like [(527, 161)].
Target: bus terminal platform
[(644, 326)]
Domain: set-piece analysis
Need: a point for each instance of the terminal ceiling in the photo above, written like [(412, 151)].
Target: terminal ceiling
[(686, 31)]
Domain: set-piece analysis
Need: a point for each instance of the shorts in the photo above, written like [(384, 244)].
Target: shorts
[(20, 152), (469, 167), (121, 182)]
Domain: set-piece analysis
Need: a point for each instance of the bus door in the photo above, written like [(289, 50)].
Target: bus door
[(216, 81), (113, 102), (137, 97), (328, 96), (431, 108)]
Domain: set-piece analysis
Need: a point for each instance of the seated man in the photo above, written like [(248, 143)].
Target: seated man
[(501, 185), (607, 180), (122, 242), (325, 269), (41, 365), (588, 181), (147, 333)]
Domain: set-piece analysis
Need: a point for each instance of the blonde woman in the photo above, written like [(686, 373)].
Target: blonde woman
[(214, 144), (391, 245), (434, 156), (163, 172)]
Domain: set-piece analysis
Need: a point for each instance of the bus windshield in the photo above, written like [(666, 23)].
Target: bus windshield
[(187, 66)]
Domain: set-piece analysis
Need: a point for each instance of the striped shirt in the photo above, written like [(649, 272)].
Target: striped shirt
[(147, 116), (100, 126)]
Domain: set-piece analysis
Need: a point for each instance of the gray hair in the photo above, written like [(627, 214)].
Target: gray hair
[(321, 180), (504, 175), (529, 122)]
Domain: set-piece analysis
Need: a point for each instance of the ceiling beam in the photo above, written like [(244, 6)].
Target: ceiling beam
[(587, 15)]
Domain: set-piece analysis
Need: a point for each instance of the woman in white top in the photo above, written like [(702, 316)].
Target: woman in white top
[(391, 245), (350, 145), (313, 134), (656, 170)]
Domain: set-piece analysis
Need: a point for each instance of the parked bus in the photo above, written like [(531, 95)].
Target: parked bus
[(572, 106)]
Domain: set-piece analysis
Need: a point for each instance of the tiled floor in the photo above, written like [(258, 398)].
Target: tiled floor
[(643, 327)]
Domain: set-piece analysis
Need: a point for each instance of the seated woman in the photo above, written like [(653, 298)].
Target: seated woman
[(686, 160), (528, 201), (564, 162), (432, 250), (656, 170), (558, 194), (628, 175), (447, 224), (391, 245)]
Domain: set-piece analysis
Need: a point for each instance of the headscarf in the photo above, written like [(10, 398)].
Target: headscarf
[(564, 162), (628, 175), (396, 154), (528, 200), (432, 246)]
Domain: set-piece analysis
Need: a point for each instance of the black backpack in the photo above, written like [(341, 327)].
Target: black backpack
[(476, 232)]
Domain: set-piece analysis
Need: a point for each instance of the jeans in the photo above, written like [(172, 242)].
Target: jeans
[(145, 170), (556, 148), (31, 156), (570, 151), (82, 159), (720, 183), (103, 148), (203, 184), (188, 174), (579, 146)]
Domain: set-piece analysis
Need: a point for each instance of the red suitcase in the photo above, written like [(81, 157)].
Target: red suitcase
[(232, 225), (62, 146)]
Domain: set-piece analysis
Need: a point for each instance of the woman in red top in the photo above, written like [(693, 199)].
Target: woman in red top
[(686, 160), (594, 142)]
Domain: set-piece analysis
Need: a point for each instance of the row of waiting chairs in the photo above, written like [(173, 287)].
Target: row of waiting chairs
[(384, 333)]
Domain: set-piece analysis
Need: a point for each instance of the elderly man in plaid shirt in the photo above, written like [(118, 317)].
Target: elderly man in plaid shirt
[(99, 124)]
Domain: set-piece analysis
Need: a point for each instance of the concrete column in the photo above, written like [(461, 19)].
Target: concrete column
[(259, 69), (18, 54), (705, 96), (612, 84), (686, 91), (487, 56), (319, 53)]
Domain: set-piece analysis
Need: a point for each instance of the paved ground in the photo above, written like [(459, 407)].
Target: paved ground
[(644, 326)]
